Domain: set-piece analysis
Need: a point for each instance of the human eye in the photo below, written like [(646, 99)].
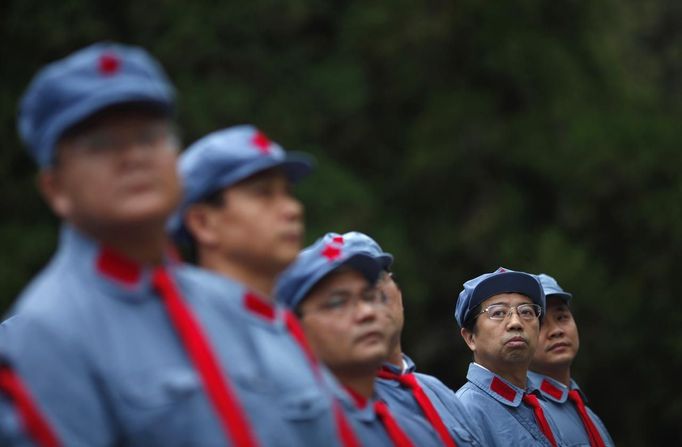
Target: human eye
[(373, 296), (151, 136), (336, 301), (527, 311), (96, 142), (564, 316), (498, 311), (260, 188)]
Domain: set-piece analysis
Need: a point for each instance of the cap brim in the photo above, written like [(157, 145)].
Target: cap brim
[(295, 166), (386, 260), (163, 101), (508, 282), (561, 295), (363, 263)]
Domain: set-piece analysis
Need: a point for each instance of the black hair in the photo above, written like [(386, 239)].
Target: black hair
[(470, 323)]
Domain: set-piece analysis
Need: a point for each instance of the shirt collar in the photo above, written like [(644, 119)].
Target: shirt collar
[(495, 386), (553, 389), (407, 367), (350, 405), (549, 388), (121, 276), (263, 312)]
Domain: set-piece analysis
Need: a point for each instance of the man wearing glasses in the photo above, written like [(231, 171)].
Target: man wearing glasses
[(405, 390), (551, 371), (332, 288), (499, 315)]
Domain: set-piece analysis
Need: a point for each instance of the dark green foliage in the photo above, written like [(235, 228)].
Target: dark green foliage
[(541, 136)]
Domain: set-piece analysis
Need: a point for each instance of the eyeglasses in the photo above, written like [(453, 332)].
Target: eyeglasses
[(104, 142), (525, 311), (343, 303)]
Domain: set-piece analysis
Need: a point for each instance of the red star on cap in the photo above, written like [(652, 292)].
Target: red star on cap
[(109, 64), (262, 142), (331, 252), (338, 239)]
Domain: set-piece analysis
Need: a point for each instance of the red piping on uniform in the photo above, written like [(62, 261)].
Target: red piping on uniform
[(34, 423)]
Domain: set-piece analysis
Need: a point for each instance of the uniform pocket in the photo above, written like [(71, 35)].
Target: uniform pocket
[(158, 387), (303, 406)]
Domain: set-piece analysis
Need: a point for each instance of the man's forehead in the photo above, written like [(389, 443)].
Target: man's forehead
[(558, 304), (506, 298), (125, 113), (267, 175), (343, 278)]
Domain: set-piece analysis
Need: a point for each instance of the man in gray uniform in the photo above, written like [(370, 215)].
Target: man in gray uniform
[(118, 342), (550, 371)]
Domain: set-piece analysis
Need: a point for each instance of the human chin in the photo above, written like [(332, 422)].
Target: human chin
[(143, 207), (373, 348)]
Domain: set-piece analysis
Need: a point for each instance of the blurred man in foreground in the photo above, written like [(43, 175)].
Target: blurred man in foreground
[(241, 221), (115, 339)]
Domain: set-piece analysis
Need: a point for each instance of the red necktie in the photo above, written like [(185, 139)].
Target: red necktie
[(410, 381), (532, 401), (34, 423), (595, 438), (346, 433), (224, 400), (394, 431)]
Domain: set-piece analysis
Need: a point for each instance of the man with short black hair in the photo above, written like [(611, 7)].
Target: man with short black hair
[(550, 371), (398, 383), (240, 218), (115, 339), (332, 287), (499, 315)]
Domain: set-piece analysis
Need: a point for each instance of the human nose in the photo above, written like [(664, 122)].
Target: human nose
[(364, 309), (514, 319), (293, 208), (554, 330)]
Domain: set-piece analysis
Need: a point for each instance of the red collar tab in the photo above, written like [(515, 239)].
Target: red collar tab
[(359, 399), (117, 267), (262, 142), (109, 64), (259, 306), (503, 389), (547, 387)]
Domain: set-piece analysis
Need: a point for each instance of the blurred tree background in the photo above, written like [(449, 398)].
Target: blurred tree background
[(463, 135)]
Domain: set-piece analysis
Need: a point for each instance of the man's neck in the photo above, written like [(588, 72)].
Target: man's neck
[(396, 357), (143, 243), (260, 282), (361, 384), (513, 374)]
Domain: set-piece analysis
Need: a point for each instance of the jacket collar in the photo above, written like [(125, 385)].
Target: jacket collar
[(119, 275), (410, 367), (362, 411), (553, 389), (495, 386)]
